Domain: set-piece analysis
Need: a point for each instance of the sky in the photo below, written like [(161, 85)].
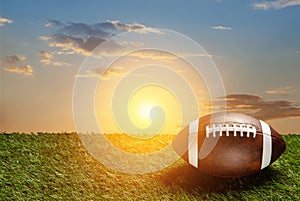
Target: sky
[(47, 51)]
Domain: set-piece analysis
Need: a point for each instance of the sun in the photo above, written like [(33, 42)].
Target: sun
[(146, 99), (139, 109), (143, 113)]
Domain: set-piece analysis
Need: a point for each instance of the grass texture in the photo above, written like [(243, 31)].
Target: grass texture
[(58, 167)]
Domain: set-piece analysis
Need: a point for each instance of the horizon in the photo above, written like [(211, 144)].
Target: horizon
[(252, 47)]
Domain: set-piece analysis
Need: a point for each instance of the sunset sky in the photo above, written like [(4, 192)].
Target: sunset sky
[(255, 46)]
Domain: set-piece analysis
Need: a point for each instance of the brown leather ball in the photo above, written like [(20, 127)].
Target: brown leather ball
[(229, 144)]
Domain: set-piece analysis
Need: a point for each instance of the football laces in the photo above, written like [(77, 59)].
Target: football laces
[(237, 129)]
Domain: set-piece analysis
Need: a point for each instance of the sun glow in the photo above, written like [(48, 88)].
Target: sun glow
[(143, 102), (140, 112), (150, 96)]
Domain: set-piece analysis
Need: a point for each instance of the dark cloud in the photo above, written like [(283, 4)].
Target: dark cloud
[(66, 43), (12, 60), (97, 30), (53, 23), (81, 38), (86, 46), (258, 107), (79, 30)]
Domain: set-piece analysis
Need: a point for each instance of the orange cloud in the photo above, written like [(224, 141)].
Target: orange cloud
[(26, 70), (105, 75), (153, 54), (45, 55), (16, 64), (47, 58), (282, 91)]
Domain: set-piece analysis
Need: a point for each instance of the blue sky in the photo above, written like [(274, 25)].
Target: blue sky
[(255, 45)]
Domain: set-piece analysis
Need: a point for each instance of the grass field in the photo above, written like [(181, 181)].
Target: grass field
[(57, 167)]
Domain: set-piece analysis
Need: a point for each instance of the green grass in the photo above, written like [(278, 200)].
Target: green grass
[(57, 167)]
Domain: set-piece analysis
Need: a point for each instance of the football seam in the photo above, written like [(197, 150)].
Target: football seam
[(257, 133), (236, 128)]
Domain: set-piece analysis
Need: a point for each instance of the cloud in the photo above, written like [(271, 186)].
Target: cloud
[(258, 107), (79, 30), (53, 23), (98, 30), (282, 91), (47, 58), (113, 48), (278, 4), (104, 74), (26, 69), (135, 27), (159, 54), (82, 39), (86, 46), (153, 54), (12, 60), (16, 64), (221, 28), (54, 63), (45, 55), (83, 46), (59, 63), (4, 21), (110, 73)]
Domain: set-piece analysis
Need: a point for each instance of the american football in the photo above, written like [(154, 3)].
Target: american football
[(229, 145)]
